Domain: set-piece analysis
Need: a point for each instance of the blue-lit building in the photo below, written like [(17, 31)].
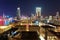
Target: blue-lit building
[(6, 22)]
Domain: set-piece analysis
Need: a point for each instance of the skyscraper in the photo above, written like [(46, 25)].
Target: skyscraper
[(38, 11), (18, 12), (57, 15)]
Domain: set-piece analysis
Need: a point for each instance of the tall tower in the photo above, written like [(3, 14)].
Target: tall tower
[(18, 12), (57, 15), (38, 11)]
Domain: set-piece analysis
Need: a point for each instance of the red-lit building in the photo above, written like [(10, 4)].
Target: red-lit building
[(1, 22)]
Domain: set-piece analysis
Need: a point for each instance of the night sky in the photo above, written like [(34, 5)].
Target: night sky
[(49, 7)]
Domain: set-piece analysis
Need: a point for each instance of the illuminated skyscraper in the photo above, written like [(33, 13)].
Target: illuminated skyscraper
[(57, 15), (18, 12), (38, 11)]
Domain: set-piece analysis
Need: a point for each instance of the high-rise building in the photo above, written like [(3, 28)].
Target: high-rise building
[(38, 11), (18, 12), (57, 15)]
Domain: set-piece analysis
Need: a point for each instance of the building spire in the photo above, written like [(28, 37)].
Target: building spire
[(3, 15)]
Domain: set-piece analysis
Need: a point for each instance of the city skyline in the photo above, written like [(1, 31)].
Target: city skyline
[(28, 6)]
